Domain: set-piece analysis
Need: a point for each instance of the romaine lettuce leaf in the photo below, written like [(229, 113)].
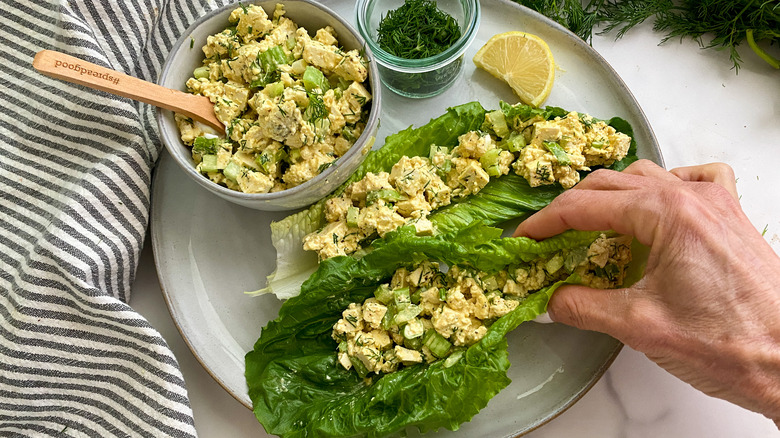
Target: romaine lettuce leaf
[(504, 198), (297, 387), (293, 264)]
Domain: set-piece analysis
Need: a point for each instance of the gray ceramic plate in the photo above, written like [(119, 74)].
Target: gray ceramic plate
[(209, 251)]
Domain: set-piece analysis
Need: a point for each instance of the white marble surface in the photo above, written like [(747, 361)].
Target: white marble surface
[(701, 112)]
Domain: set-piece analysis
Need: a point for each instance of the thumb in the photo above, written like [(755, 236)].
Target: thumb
[(601, 310)]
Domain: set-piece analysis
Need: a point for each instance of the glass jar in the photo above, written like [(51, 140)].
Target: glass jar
[(424, 77)]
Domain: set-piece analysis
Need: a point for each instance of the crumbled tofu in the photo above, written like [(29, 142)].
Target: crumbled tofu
[(373, 312), (254, 182), (407, 356), (563, 146), (253, 74), (459, 305), (555, 151)]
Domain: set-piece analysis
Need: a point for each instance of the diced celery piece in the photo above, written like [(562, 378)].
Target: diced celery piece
[(383, 294), (514, 143), (598, 144), (489, 158), (231, 171), (405, 312), (574, 258), (281, 155), (352, 216), (201, 72), (204, 146), (295, 155), (498, 122), (274, 89), (272, 58), (298, 66), (554, 264), (343, 346), (313, 78), (453, 358), (493, 171), (437, 343), (348, 134), (291, 42), (558, 153), (414, 343), (388, 195), (401, 296), (442, 294), (359, 366), (389, 318), (416, 296), (490, 283), (208, 163)]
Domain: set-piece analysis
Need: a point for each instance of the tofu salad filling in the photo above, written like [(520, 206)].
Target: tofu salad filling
[(541, 151), (292, 104), (424, 314)]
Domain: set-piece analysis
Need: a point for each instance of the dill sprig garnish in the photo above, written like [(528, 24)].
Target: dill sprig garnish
[(316, 111), (416, 30)]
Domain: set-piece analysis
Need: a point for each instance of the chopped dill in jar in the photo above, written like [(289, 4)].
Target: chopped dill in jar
[(418, 29)]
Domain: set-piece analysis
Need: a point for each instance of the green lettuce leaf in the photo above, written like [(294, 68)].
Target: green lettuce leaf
[(503, 199), (297, 387), (293, 264)]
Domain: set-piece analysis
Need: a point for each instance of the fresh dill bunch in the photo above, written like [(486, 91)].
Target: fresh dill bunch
[(571, 14), (418, 29), (725, 23)]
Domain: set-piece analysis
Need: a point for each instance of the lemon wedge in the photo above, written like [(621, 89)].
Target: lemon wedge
[(523, 61)]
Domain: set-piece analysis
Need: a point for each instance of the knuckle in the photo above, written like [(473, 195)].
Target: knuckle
[(641, 166), (602, 173), (723, 169), (567, 308)]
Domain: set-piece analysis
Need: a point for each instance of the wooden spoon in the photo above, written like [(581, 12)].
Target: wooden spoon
[(67, 68)]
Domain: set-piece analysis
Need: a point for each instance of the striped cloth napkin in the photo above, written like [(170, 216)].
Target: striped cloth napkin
[(75, 173)]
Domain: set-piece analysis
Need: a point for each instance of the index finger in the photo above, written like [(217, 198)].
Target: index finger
[(718, 173), (625, 212)]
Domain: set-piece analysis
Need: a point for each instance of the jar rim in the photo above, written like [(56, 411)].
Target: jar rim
[(388, 60)]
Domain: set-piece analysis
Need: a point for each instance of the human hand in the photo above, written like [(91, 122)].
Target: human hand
[(708, 307)]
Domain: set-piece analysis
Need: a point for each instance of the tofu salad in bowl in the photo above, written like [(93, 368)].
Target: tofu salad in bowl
[(296, 91)]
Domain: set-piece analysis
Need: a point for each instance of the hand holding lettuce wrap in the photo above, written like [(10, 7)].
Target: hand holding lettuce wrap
[(708, 307)]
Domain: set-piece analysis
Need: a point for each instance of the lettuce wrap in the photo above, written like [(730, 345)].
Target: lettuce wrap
[(297, 387), (504, 198)]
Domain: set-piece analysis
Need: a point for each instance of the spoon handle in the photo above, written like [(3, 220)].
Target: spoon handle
[(70, 69)]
